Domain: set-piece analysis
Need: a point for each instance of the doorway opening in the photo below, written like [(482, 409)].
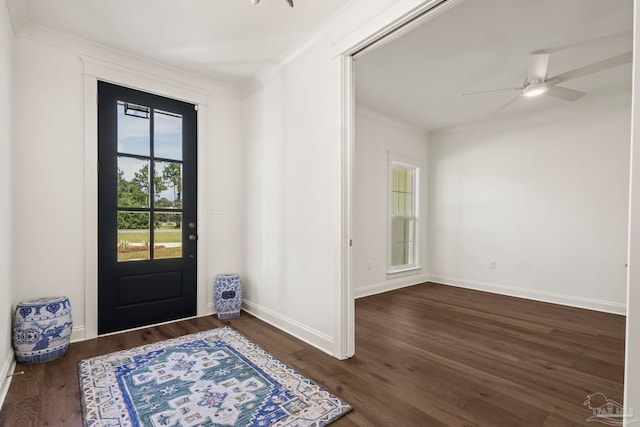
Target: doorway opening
[(506, 175)]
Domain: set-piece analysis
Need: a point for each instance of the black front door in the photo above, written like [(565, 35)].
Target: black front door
[(147, 223)]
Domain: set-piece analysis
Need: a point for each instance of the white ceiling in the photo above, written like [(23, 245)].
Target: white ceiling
[(227, 40), (480, 45), (474, 46)]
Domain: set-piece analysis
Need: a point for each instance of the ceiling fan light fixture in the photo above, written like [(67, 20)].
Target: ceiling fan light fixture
[(535, 89)]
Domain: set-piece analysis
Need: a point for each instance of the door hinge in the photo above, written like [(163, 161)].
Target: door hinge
[(196, 107), (350, 242), (97, 99)]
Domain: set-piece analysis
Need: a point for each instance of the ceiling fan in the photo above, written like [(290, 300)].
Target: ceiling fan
[(258, 1), (537, 83)]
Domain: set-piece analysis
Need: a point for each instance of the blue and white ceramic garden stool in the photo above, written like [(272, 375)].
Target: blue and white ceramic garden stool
[(41, 329), (227, 296)]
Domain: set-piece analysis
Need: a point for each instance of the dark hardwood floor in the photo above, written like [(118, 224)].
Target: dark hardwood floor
[(428, 355)]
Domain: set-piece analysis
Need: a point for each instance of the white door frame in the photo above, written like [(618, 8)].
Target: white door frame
[(427, 10), (95, 70)]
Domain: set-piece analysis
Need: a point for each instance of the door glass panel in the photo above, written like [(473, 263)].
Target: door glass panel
[(137, 151), (168, 184), (167, 235), (133, 182), (133, 129), (133, 236), (167, 134)]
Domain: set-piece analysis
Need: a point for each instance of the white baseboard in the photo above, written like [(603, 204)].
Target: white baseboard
[(211, 309), (78, 333), (389, 285), (310, 336), (8, 366), (544, 296)]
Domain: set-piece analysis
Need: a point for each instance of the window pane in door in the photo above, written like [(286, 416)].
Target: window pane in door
[(167, 135), (133, 182), (167, 235), (133, 129), (133, 236), (168, 187)]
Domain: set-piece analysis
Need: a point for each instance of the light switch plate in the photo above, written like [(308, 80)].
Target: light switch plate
[(215, 209)]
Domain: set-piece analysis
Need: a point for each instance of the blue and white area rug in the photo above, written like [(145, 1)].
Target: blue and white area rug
[(212, 378)]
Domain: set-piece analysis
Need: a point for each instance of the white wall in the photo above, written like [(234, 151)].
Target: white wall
[(49, 175), (545, 196), (293, 126), (632, 344), (376, 136), (6, 101), (225, 177), (293, 215)]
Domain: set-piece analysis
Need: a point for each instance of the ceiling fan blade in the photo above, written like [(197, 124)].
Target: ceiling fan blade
[(564, 93), (258, 1), (538, 63), (506, 89), (596, 67), (505, 106)]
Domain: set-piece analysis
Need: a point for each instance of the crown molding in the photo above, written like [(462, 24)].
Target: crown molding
[(18, 14), (344, 21), (368, 112), (100, 54)]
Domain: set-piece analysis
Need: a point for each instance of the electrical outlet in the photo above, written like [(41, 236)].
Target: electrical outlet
[(492, 264)]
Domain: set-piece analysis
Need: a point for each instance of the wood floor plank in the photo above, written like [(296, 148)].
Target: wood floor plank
[(427, 355), (24, 412)]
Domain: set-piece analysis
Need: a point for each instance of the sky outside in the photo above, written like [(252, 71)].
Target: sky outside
[(134, 138)]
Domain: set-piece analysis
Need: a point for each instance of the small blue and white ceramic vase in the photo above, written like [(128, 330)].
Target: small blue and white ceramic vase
[(41, 329), (227, 296)]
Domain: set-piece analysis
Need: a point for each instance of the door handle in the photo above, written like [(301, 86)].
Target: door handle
[(193, 237)]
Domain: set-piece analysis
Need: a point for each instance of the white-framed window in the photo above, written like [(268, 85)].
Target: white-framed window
[(403, 216)]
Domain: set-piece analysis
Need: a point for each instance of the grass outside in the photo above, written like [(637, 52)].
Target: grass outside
[(133, 244), (144, 255), (141, 236)]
